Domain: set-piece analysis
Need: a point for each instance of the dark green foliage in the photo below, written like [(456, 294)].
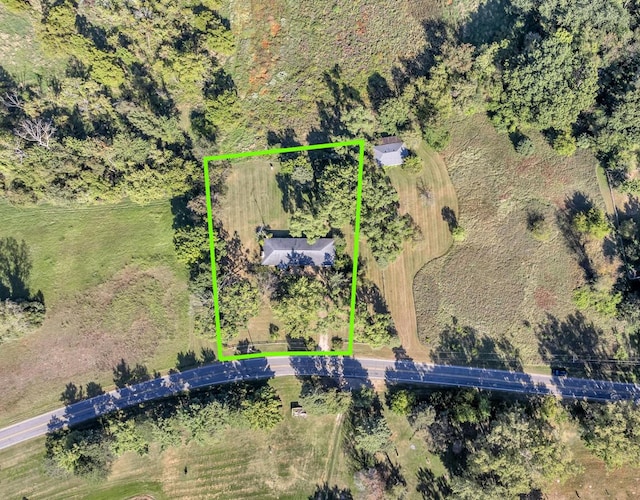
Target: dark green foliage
[(298, 302), (114, 130), (175, 421), (495, 467), (402, 402), (611, 431), (384, 228), (80, 452), (604, 302), (592, 222), (18, 318), (524, 146), (374, 328), (238, 301), (483, 440), (565, 144), (548, 85), (412, 164), (367, 430), (394, 115), (261, 408), (325, 401), (436, 136)]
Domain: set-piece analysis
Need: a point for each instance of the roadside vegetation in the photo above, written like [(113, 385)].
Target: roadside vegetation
[(403, 442), (514, 221)]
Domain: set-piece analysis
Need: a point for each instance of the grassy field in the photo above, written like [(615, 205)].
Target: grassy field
[(20, 51), (286, 462), (113, 289), (502, 281), (396, 280)]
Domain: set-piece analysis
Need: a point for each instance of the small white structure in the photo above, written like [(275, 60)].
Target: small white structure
[(391, 152)]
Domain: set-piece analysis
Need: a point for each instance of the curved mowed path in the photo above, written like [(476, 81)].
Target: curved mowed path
[(396, 281)]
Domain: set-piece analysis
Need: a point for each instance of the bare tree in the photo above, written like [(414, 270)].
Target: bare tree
[(425, 193), (36, 130), (12, 100)]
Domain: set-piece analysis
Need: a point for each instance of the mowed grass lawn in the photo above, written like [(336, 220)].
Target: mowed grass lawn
[(254, 199), (396, 280), (286, 462), (502, 281), (113, 289)]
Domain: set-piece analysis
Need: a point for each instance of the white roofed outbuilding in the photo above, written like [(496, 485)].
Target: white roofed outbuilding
[(390, 152)]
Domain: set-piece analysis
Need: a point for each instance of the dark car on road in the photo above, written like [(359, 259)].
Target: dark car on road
[(559, 372)]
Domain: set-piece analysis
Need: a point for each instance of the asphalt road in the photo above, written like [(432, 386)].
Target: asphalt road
[(347, 370)]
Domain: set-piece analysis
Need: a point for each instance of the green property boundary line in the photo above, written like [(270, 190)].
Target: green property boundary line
[(356, 243)]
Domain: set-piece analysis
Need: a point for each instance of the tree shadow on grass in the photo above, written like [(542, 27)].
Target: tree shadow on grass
[(432, 487), (491, 22), (144, 89), (286, 138), (378, 90), (578, 344), (435, 32), (576, 203), (15, 271), (463, 345), (124, 375), (326, 492), (449, 216)]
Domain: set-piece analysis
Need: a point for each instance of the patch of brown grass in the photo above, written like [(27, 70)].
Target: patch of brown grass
[(132, 316), (501, 280)]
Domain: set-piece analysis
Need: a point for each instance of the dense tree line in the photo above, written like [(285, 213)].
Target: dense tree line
[(108, 127), (367, 441), (199, 417), (492, 448)]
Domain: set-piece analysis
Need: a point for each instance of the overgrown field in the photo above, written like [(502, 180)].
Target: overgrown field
[(285, 53), (112, 289), (502, 281)]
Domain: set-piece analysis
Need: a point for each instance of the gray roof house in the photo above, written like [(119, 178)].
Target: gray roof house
[(288, 252), (390, 152)]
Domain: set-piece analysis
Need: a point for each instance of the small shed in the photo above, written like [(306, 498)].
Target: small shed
[(299, 412), (390, 152)]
